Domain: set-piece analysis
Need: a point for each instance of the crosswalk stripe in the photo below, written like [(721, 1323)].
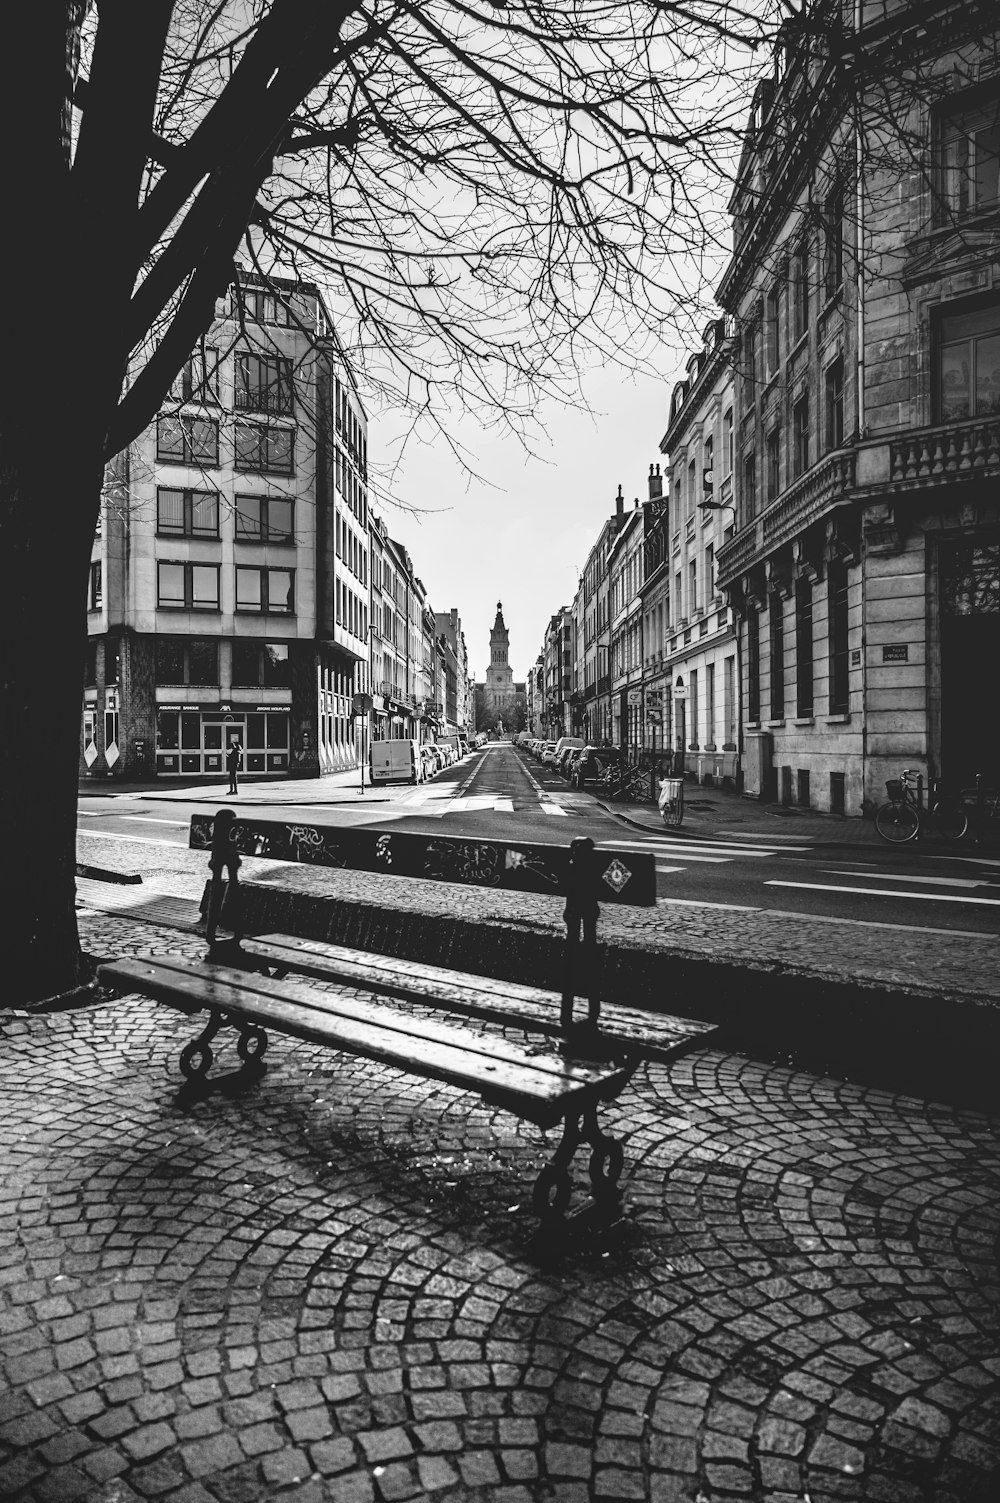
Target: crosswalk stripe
[(552, 809), (904, 877), (877, 892), (152, 819)]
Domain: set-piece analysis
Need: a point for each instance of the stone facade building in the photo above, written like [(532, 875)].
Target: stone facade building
[(864, 279)]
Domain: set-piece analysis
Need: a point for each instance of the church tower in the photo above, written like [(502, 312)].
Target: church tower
[(499, 675)]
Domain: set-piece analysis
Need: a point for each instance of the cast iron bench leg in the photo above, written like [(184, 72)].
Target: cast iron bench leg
[(554, 1187), (197, 1056)]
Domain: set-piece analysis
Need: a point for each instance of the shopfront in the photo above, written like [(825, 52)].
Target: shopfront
[(192, 742)]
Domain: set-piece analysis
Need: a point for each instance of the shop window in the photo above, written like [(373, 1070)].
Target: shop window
[(184, 439), (263, 383), (266, 591), (246, 668), (186, 586), (800, 435), (833, 395), (96, 595), (277, 665), (968, 161), (263, 519), (198, 379), (264, 448), (191, 514), (168, 736), (969, 364)]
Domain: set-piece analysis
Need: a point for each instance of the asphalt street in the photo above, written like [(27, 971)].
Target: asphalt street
[(502, 791)]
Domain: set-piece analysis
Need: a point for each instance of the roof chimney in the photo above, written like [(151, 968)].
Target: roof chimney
[(619, 504), (655, 484)]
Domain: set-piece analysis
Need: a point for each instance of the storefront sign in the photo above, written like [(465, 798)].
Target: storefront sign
[(680, 691), (896, 652), (635, 698)]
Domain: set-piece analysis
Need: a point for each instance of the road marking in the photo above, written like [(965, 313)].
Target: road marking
[(697, 903), (90, 813), (903, 877), (720, 847), (548, 808), (833, 918), (661, 868), (152, 819), (876, 892)]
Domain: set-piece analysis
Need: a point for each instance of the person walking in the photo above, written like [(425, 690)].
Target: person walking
[(234, 761)]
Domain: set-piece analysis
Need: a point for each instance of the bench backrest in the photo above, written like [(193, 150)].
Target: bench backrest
[(605, 876)]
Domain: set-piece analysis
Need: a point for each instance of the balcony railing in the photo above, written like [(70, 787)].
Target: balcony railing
[(954, 452), (802, 504), (264, 400)]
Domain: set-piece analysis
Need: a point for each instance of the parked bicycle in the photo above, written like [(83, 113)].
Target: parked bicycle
[(905, 818), (982, 808)]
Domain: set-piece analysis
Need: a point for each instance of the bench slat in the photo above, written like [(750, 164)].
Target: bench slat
[(659, 1035), (538, 1085)]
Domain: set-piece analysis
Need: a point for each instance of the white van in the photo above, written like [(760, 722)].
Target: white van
[(396, 762)]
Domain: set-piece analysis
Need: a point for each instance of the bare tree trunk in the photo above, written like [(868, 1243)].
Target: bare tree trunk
[(41, 683)]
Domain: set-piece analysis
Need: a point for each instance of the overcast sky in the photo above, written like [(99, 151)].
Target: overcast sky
[(524, 539)]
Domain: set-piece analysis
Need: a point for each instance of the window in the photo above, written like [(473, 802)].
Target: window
[(803, 649), (183, 439), (753, 664), (837, 629), (749, 497), (187, 587), (190, 514), (771, 347), (96, 586), (263, 383), (268, 591), (800, 435), (186, 661), (264, 519), (261, 665), (263, 448), (692, 586), (969, 364), (800, 294), (969, 161), (709, 573), (833, 394), (777, 633), (692, 496), (198, 380), (262, 307), (833, 240), (729, 450), (772, 462)]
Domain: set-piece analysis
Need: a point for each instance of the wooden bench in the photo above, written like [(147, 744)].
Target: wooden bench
[(577, 1066)]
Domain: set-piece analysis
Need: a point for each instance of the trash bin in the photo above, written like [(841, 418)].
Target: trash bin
[(671, 800)]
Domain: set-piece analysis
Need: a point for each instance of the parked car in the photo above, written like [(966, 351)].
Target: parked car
[(396, 761), (547, 752), (592, 761), (429, 758), (563, 745)]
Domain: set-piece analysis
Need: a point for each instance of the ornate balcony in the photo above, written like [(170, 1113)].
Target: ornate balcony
[(803, 503), (955, 452)]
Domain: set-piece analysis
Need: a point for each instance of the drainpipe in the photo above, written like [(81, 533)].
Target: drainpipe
[(859, 215)]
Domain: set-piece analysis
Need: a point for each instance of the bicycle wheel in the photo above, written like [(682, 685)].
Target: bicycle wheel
[(950, 821), (897, 821)]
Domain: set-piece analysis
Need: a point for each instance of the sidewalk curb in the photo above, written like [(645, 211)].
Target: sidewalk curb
[(715, 833)]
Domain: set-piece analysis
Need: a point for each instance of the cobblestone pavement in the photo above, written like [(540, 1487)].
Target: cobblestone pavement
[(329, 1288)]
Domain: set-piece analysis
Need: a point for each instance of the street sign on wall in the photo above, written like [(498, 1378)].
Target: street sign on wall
[(635, 698)]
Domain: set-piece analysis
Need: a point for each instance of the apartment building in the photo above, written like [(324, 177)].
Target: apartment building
[(229, 576), (625, 567), (698, 647)]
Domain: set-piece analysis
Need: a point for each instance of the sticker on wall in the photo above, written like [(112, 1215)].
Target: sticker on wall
[(90, 754), (111, 754)]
